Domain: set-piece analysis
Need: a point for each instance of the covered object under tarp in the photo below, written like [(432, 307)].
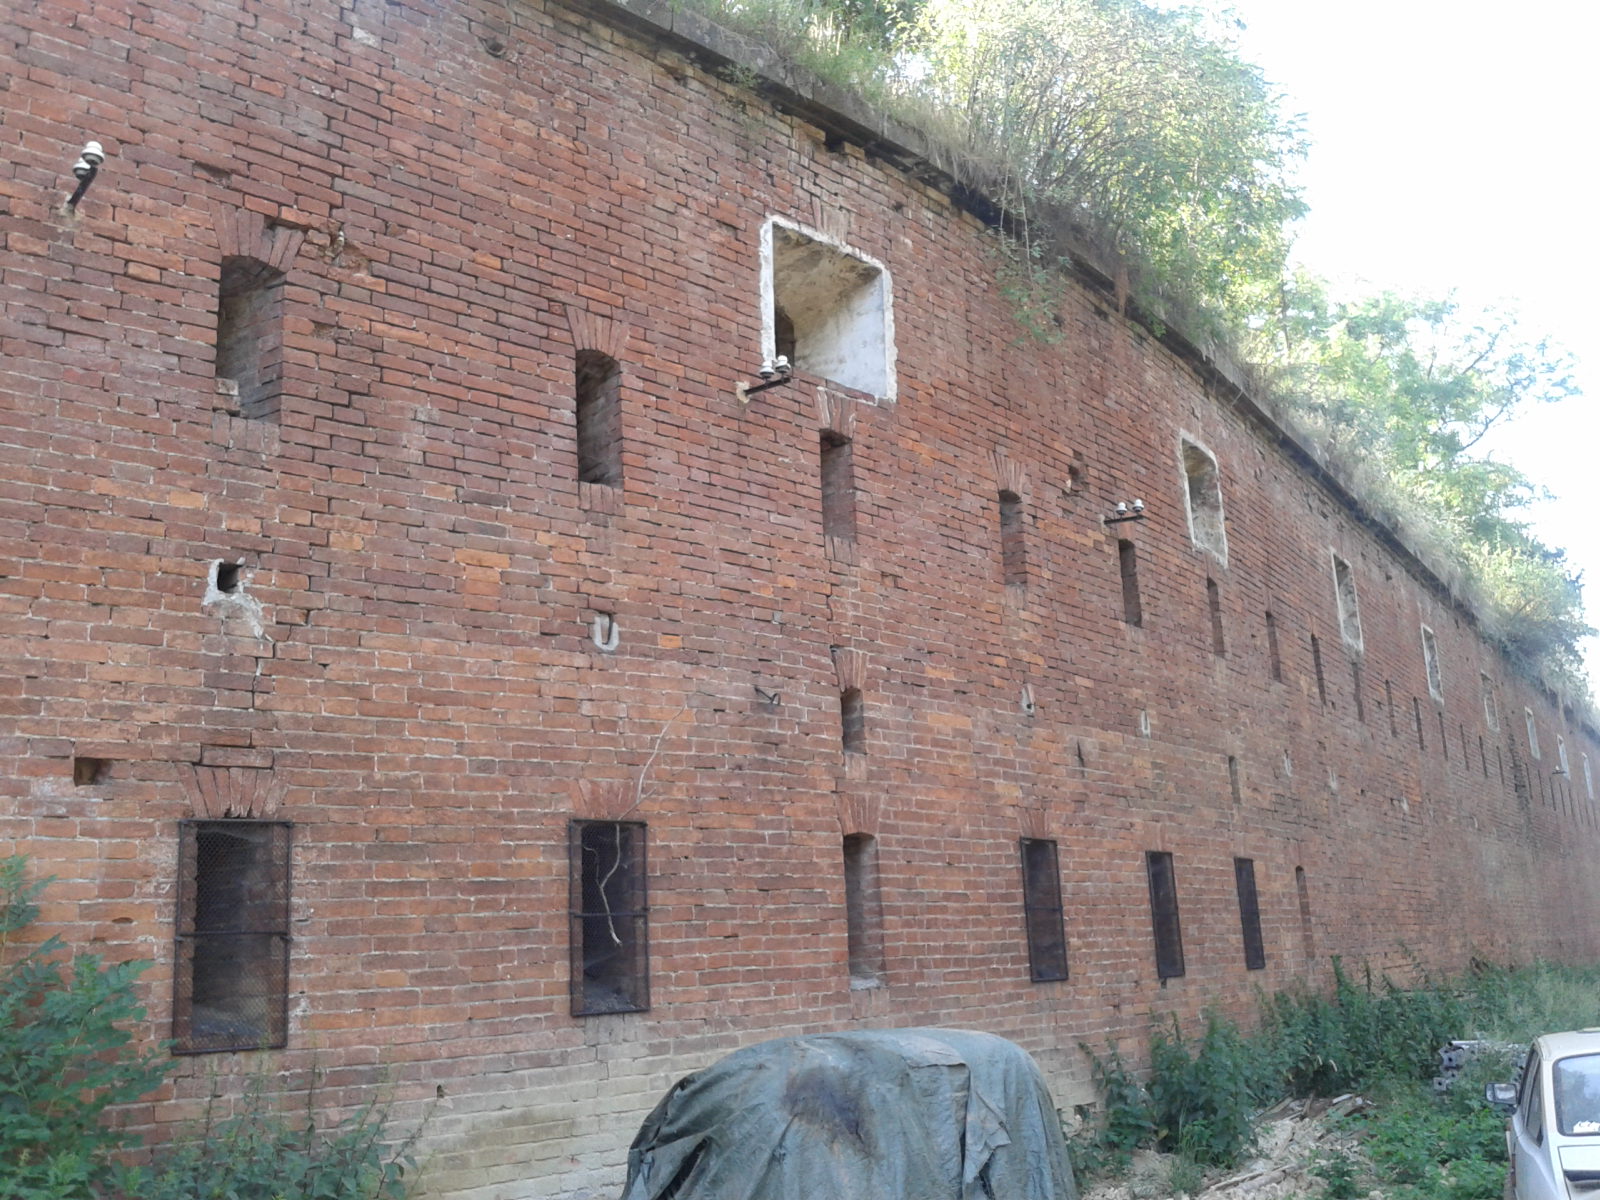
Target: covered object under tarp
[(894, 1114)]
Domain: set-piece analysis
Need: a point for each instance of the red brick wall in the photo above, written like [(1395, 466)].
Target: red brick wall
[(408, 674)]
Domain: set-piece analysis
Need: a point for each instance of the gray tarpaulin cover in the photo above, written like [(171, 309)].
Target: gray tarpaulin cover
[(896, 1114)]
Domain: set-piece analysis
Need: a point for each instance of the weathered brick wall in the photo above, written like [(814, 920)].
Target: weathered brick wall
[(460, 197)]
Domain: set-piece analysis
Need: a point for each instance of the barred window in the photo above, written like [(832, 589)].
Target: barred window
[(231, 980), (1041, 908), (610, 920), (1164, 914), (1244, 877)]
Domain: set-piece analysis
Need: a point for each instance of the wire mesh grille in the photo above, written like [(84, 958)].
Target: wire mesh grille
[(231, 975), (1041, 906), (1244, 874), (610, 941), (1164, 914)]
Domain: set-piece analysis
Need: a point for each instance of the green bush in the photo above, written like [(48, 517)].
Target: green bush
[(1202, 1097), (259, 1152), (64, 1046)]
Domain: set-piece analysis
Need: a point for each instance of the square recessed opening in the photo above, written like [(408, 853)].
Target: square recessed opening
[(89, 771), (1344, 591), (827, 308)]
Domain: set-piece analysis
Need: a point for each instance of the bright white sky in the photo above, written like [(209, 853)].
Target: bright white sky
[(1453, 148)]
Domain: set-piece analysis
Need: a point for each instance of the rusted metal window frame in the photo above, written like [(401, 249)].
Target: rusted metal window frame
[(1045, 914), (1165, 925), (270, 934), (1244, 881)]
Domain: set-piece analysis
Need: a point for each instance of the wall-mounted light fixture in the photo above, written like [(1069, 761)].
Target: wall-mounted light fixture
[(87, 166), (773, 374), (1125, 512)]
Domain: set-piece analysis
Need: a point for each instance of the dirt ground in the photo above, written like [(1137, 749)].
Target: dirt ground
[(1292, 1137)]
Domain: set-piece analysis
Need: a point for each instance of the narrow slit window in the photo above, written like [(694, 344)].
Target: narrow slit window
[(1042, 910), (1491, 711), (1388, 702), (1274, 659), (1533, 732), (1588, 777), (1444, 740), (1430, 661), (1316, 663), (1203, 495), (1416, 713), (249, 357), (828, 308), (231, 978), (1234, 788), (1013, 551), (1307, 936), (610, 945), (1219, 646), (1356, 689), (1344, 592), (1561, 755), (863, 909), (1164, 923), (838, 489), (853, 721), (1244, 878), (1128, 565), (599, 418)]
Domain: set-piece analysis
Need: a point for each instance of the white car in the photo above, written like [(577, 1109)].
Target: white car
[(1553, 1130)]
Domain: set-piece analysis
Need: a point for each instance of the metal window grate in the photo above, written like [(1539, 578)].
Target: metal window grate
[(1042, 910), (1244, 876), (231, 975), (610, 944), (1164, 914)]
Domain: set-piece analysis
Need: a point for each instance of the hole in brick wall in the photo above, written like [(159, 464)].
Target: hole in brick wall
[(853, 721), (1204, 493), (87, 771), (1013, 555), (250, 334), (1164, 923), (1274, 660), (838, 488), (1316, 662), (599, 418), (1430, 660), (1244, 878), (1288, 765), (1416, 712), (1214, 603), (1344, 591), (1444, 740), (609, 939), (863, 907), (1356, 689), (1500, 766), (1233, 780), (227, 577), (836, 305), (1533, 732), (1491, 711), (1128, 566), (1483, 757), (1588, 775), (1042, 910), (1388, 696)]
